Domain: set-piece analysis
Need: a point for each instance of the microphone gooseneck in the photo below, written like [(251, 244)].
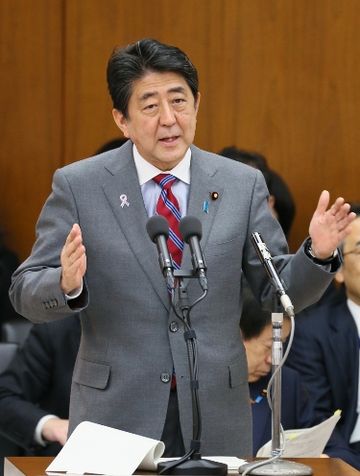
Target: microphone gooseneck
[(275, 465), (266, 259)]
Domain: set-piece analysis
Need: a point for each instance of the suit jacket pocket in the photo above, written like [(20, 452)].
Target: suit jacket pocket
[(237, 376), (92, 374)]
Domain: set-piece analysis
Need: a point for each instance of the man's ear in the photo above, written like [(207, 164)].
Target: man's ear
[(121, 122), (197, 102), (271, 201), (339, 276)]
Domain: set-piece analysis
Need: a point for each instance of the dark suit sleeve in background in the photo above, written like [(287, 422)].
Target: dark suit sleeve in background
[(38, 381)]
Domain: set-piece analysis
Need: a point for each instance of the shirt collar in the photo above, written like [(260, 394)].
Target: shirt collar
[(147, 171)]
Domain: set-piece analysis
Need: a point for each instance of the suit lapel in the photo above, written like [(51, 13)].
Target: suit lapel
[(344, 332), (123, 180), (132, 219), (203, 183)]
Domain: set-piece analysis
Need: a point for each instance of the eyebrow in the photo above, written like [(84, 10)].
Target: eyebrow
[(150, 94)]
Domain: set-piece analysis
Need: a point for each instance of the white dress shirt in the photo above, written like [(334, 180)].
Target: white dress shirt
[(151, 190)]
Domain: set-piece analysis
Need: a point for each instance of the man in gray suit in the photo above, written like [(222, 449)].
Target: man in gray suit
[(93, 257)]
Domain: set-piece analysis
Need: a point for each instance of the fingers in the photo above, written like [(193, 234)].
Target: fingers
[(323, 202), (339, 206), (73, 260), (55, 429), (339, 209), (344, 223), (329, 226), (341, 214), (73, 249), (75, 234)]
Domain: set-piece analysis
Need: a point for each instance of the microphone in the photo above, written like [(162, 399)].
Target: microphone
[(266, 259), (190, 229), (158, 230)]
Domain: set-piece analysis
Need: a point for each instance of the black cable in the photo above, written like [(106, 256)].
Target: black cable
[(192, 352)]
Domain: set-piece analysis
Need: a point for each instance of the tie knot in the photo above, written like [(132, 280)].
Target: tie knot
[(165, 180)]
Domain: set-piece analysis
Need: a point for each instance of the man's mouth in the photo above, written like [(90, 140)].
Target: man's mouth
[(169, 140)]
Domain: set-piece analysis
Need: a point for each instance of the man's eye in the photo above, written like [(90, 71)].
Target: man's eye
[(150, 107)]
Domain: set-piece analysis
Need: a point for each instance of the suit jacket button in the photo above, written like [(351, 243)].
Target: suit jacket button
[(174, 326), (165, 377)]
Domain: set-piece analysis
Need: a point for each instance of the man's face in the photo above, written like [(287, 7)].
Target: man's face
[(161, 118), (349, 273), (258, 351)]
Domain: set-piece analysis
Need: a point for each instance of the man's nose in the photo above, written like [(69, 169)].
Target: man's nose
[(167, 116)]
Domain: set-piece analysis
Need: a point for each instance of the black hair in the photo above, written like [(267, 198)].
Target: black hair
[(253, 319), (132, 62), (355, 207), (111, 144), (253, 159), (284, 202)]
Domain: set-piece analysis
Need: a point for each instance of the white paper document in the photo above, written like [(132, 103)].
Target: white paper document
[(99, 449), (305, 442)]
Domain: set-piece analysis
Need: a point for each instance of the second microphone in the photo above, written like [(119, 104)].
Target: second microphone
[(191, 231)]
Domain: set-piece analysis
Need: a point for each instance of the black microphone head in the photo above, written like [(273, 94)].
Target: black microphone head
[(157, 225), (190, 226)]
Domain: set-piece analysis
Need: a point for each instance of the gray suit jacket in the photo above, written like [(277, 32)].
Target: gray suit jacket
[(127, 345)]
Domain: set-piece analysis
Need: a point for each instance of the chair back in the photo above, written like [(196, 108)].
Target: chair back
[(7, 447), (7, 352), (16, 331)]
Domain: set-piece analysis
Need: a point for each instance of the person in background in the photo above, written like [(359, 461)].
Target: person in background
[(8, 264), (35, 388), (280, 200), (93, 258), (296, 412), (111, 144), (326, 352)]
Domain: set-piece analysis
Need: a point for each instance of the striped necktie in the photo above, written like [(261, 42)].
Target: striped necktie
[(168, 207)]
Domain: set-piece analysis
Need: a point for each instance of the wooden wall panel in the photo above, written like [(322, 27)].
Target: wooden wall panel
[(277, 76), (31, 118), (298, 95), (95, 27)]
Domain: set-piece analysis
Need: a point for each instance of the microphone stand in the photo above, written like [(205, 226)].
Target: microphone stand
[(275, 465), (192, 462)]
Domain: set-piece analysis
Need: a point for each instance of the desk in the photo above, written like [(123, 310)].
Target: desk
[(36, 465)]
